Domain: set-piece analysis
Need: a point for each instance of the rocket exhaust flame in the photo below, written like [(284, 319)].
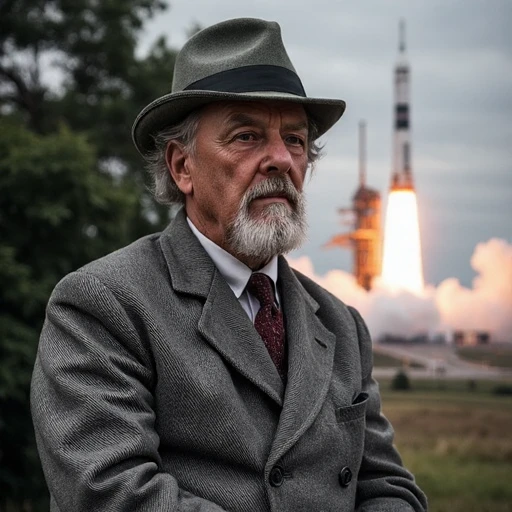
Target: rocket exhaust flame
[(402, 264)]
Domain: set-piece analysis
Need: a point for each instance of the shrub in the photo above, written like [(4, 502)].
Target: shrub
[(400, 382), (502, 389)]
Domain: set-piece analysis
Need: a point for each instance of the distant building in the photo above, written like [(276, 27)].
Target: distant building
[(395, 339), (469, 338)]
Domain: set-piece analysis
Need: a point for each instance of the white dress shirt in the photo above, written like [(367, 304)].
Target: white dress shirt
[(236, 273)]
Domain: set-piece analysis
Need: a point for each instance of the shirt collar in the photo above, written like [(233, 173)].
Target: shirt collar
[(235, 272)]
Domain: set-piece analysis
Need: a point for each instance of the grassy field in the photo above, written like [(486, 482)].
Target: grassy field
[(385, 360), (456, 438), (497, 354)]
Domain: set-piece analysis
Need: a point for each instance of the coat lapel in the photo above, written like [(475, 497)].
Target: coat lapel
[(223, 323), (310, 363), (229, 330)]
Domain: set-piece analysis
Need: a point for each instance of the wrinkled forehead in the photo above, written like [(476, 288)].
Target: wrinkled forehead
[(257, 112)]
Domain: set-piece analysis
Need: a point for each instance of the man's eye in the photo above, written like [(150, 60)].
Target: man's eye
[(295, 141), (245, 137)]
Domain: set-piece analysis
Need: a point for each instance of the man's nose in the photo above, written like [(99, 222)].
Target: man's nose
[(278, 158)]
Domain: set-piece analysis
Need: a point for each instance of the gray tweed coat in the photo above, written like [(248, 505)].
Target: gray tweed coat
[(152, 391)]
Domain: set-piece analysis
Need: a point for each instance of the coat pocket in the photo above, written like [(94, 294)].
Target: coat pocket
[(354, 411)]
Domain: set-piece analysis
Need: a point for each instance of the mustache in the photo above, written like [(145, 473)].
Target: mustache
[(274, 186)]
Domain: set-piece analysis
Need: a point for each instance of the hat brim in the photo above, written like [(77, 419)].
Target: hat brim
[(170, 109)]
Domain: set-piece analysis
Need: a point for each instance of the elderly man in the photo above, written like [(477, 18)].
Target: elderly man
[(194, 370)]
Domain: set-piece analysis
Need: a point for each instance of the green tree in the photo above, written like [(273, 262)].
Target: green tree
[(57, 213), (89, 48), (72, 186)]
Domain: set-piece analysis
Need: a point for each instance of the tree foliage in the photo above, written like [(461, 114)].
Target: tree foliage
[(57, 213), (91, 41), (72, 186), (89, 47)]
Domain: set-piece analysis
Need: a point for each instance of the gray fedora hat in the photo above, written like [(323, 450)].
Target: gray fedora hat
[(236, 60)]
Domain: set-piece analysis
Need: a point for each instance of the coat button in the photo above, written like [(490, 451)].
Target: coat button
[(276, 476), (345, 477)]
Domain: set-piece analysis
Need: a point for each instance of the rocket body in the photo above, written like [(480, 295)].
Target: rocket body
[(402, 170), (402, 263)]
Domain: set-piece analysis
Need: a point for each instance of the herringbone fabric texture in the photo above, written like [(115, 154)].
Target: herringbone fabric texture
[(269, 320)]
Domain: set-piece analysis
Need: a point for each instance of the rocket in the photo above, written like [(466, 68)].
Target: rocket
[(402, 173)]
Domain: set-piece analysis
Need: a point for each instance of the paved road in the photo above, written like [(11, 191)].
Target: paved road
[(439, 361)]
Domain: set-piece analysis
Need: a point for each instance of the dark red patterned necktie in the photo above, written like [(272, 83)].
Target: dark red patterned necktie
[(269, 320)]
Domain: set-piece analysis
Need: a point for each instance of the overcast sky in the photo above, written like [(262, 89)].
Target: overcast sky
[(460, 54)]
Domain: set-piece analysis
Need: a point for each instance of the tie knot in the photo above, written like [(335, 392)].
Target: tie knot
[(260, 285)]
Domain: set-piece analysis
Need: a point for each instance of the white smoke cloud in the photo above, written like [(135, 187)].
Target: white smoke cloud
[(487, 306)]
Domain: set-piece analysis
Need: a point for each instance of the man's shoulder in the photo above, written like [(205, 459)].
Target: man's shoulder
[(330, 305), (317, 292), (133, 267), (140, 255), (339, 317)]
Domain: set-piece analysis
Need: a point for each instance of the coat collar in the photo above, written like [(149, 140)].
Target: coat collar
[(190, 268)]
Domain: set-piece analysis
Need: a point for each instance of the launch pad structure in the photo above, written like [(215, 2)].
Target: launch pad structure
[(366, 237)]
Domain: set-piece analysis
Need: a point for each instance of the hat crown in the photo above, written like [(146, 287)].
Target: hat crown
[(229, 45)]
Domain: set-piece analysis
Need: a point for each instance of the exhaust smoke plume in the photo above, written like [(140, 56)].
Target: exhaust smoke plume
[(487, 306)]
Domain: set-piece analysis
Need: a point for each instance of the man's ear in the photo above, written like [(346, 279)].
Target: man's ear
[(177, 160)]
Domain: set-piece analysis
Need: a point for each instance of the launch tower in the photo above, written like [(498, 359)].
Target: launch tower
[(365, 239)]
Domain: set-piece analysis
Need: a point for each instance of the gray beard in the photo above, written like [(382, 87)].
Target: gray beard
[(277, 230)]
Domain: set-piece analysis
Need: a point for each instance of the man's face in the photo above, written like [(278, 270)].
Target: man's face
[(245, 178)]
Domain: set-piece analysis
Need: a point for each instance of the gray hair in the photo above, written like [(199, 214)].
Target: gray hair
[(164, 188)]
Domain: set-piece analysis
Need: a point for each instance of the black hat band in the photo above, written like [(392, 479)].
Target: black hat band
[(259, 78)]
